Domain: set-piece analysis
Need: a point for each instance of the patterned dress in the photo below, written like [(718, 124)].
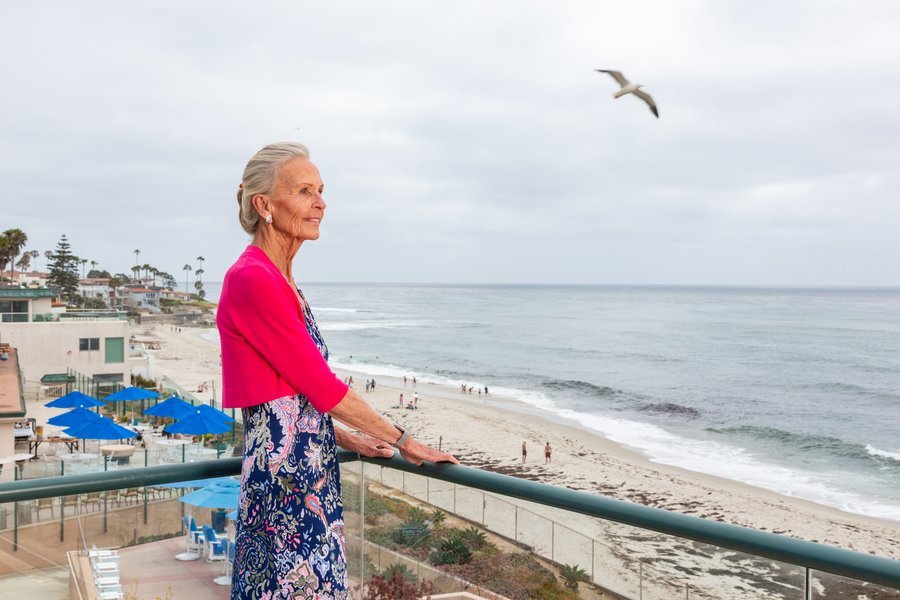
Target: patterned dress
[(290, 528)]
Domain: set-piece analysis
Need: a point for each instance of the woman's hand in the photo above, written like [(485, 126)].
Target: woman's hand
[(417, 453), (364, 445)]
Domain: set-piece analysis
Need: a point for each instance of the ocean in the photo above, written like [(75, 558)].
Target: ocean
[(793, 390)]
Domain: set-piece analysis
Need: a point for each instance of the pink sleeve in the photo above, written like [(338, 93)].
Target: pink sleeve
[(264, 313)]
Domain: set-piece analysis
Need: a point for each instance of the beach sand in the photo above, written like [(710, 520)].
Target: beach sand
[(487, 432)]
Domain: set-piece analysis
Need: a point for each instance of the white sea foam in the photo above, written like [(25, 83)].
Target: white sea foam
[(882, 453), (341, 310), (729, 462)]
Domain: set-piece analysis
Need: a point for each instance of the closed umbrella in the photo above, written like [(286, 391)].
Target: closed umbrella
[(74, 418), (74, 399)]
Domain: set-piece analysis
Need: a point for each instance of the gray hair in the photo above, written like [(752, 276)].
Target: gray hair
[(259, 178)]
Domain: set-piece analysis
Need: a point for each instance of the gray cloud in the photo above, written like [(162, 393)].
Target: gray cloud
[(469, 142)]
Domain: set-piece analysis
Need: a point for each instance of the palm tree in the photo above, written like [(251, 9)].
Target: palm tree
[(137, 253), (94, 264), (15, 240), (187, 269), (137, 272), (146, 269), (48, 254), (84, 261), (23, 264)]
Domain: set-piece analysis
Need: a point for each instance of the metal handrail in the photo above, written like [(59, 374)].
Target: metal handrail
[(811, 555)]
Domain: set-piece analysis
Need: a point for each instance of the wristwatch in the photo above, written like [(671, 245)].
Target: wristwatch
[(404, 437)]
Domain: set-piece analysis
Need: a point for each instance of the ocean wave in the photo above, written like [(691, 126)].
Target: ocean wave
[(730, 461), (670, 408), (882, 453), (803, 443), (582, 387), (361, 325), (342, 310)]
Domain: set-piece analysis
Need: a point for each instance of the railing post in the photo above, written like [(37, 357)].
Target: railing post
[(516, 523), (15, 513), (105, 496), (640, 579), (362, 525), (62, 504), (807, 591)]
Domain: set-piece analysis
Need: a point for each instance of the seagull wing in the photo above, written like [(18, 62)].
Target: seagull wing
[(649, 100), (617, 75)]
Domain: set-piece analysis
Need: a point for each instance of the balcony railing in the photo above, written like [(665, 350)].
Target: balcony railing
[(507, 531)]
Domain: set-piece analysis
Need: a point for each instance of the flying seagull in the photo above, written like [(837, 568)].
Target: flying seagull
[(631, 88)]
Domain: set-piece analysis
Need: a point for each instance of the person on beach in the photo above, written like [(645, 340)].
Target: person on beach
[(547, 451), (524, 451), (290, 530)]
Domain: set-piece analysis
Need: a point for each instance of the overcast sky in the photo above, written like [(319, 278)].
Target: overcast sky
[(466, 141)]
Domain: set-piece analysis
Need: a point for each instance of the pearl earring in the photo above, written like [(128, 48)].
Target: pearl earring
[(269, 219)]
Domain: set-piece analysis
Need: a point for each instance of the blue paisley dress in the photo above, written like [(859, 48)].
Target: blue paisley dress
[(290, 528)]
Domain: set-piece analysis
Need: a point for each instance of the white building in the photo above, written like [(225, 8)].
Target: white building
[(49, 344), (99, 289), (143, 298)]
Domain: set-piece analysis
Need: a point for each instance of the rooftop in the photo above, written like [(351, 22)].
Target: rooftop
[(16, 292)]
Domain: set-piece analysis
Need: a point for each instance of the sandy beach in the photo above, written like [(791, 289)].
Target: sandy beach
[(488, 432)]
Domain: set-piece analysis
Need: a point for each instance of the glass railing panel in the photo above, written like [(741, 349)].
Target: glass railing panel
[(825, 586), (567, 547)]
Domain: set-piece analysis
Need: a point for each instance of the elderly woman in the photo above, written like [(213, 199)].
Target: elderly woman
[(290, 539)]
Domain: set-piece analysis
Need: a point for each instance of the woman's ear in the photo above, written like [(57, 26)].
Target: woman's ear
[(261, 204)]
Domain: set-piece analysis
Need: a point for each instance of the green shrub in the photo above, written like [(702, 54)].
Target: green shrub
[(572, 574), (400, 568), (451, 551)]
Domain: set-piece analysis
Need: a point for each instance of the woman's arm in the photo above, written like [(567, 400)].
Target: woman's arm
[(355, 412)]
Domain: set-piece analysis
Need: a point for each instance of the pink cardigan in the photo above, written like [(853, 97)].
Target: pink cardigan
[(267, 353)]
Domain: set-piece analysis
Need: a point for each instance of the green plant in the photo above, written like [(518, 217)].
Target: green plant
[(402, 569), (572, 574), (451, 551), (474, 538), (411, 533), (416, 515), (438, 517)]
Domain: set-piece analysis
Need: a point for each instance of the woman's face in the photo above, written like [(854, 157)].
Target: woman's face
[(296, 201)]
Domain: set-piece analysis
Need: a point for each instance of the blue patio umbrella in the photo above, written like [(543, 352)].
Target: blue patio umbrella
[(173, 408), (223, 494), (199, 422), (214, 413), (74, 418), (132, 393), (74, 400), (195, 483), (100, 429)]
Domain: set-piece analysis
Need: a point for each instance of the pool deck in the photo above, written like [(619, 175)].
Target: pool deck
[(150, 571)]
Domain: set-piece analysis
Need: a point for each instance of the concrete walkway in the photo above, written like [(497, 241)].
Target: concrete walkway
[(46, 584)]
